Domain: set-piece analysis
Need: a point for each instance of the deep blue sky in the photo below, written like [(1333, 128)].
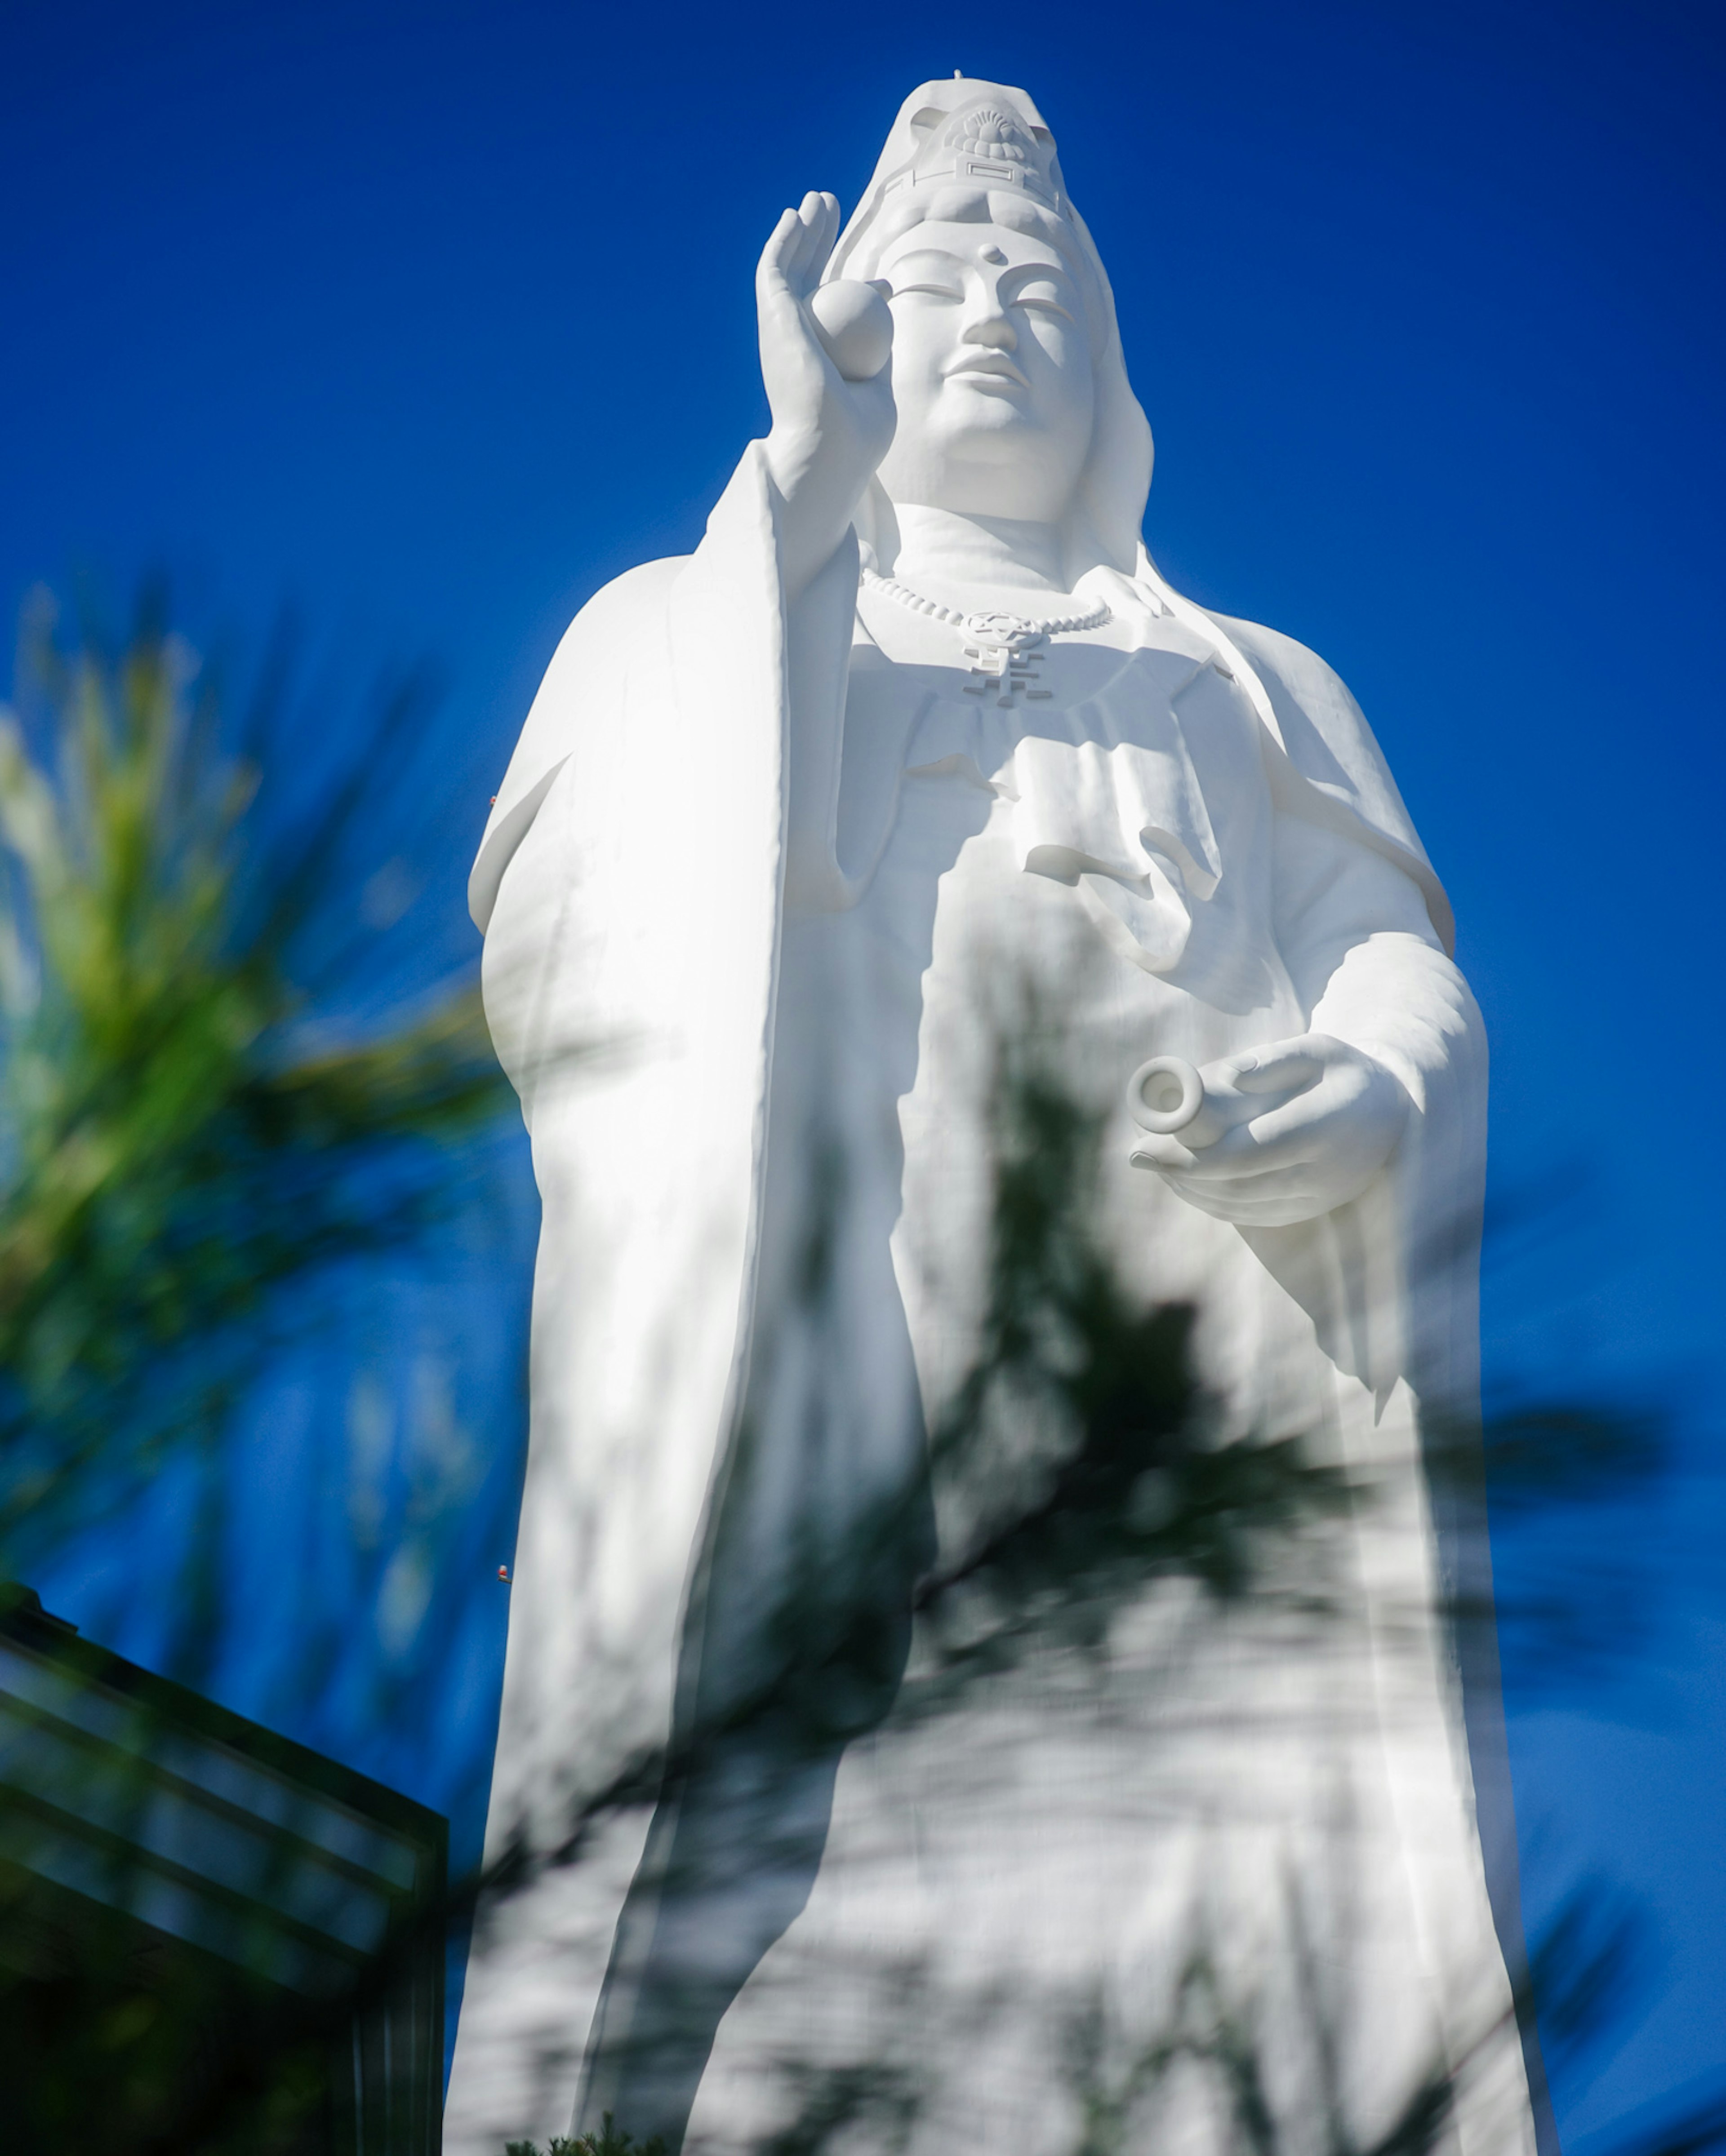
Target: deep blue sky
[(435, 317)]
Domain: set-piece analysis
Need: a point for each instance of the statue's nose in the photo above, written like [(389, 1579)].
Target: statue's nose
[(991, 328)]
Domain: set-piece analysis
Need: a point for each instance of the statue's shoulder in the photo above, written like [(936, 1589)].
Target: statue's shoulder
[(621, 627), (1332, 760), (631, 600), (1324, 730), (1298, 681)]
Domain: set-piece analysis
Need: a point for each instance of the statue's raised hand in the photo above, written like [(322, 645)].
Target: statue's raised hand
[(829, 434)]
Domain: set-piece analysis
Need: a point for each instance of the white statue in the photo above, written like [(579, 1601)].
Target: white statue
[(918, 746)]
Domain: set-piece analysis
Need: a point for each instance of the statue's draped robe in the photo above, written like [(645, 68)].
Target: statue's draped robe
[(758, 1051)]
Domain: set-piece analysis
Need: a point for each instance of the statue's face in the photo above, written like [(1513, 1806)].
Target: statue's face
[(992, 372)]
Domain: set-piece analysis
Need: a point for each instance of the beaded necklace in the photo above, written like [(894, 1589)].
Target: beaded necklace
[(1004, 646)]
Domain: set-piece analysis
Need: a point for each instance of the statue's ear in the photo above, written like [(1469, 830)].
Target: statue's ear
[(928, 119)]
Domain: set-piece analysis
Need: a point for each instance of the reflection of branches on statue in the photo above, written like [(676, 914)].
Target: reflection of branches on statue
[(1079, 1455), (920, 720), (1086, 1456), (1080, 1446), (1222, 2042)]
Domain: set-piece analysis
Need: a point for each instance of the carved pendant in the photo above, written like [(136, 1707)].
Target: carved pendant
[(1006, 654)]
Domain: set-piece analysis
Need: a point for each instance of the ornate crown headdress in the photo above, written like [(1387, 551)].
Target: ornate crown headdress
[(997, 148), (963, 133)]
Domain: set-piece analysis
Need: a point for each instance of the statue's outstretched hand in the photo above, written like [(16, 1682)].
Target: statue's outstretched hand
[(828, 433), (1311, 1122)]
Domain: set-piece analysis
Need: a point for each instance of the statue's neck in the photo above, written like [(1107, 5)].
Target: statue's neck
[(973, 561)]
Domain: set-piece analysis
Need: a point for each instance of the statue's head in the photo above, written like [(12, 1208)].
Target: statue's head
[(1012, 399)]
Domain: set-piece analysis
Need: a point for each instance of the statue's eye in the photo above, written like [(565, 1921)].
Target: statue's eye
[(1041, 295), (935, 290)]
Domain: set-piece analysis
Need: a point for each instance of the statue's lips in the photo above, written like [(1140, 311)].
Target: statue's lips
[(984, 367)]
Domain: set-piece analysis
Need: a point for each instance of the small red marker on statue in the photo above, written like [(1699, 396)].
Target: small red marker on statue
[(503, 1574)]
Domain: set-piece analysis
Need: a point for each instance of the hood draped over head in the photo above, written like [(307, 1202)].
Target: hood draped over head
[(970, 152), (980, 152)]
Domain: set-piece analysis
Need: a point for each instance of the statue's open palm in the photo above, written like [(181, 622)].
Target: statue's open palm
[(828, 435), (1328, 1117)]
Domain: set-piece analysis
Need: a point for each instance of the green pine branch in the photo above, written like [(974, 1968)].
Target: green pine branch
[(607, 2142), (171, 1150)]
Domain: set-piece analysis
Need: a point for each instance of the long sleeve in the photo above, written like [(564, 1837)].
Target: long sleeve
[(1365, 961)]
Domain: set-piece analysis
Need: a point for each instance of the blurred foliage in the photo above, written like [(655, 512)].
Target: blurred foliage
[(1121, 1474), (180, 1139), (1543, 1453), (607, 2142), (109, 2041), (173, 1144), (1079, 1461)]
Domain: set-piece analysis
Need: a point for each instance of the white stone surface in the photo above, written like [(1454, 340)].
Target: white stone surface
[(780, 862)]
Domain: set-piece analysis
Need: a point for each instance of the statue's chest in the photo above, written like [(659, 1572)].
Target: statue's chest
[(1140, 810)]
